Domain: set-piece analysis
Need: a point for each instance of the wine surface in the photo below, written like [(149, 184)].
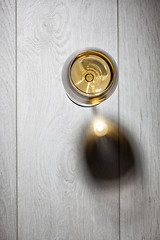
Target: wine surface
[(91, 73)]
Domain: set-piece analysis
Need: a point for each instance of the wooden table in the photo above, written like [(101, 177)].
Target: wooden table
[(46, 192)]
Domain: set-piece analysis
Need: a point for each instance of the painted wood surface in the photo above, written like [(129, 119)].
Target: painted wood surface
[(139, 102), (7, 122), (58, 199)]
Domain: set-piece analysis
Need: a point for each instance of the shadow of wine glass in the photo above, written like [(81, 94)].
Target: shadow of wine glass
[(109, 152)]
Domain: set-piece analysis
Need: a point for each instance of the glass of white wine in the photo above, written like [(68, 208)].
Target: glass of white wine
[(89, 76)]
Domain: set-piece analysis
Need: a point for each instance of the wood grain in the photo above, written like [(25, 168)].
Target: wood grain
[(139, 101), (57, 197), (7, 122)]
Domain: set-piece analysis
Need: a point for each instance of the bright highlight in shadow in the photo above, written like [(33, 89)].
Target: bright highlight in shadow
[(100, 127)]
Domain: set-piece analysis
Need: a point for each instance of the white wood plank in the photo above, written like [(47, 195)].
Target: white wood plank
[(7, 122), (139, 111), (57, 197)]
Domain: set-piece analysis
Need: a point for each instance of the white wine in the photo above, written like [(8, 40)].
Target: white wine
[(90, 73), (89, 77)]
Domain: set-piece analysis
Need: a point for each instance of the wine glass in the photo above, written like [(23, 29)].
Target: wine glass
[(89, 76)]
